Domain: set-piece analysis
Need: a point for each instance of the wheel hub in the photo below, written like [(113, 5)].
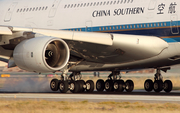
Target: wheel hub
[(88, 86), (53, 84), (115, 85), (107, 85), (61, 86)]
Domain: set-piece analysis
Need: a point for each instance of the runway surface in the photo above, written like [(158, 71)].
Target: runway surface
[(136, 96)]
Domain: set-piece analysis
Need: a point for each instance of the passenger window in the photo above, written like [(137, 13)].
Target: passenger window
[(114, 2), (91, 4), (39, 8), (17, 10), (87, 4), (84, 4), (65, 6), (104, 3), (30, 9), (100, 3), (94, 3), (107, 2), (111, 2), (81, 4)]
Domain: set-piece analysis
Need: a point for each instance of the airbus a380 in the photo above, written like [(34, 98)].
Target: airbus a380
[(91, 35)]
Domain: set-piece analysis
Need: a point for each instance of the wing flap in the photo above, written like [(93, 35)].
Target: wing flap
[(5, 31), (96, 38)]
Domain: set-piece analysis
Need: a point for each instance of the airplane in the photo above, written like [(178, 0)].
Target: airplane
[(91, 35)]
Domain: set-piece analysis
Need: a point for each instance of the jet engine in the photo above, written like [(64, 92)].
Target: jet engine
[(42, 54)]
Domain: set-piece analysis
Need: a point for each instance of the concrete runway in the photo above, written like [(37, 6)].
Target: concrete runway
[(136, 96)]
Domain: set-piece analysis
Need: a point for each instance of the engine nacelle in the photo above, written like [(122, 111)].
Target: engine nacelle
[(42, 54)]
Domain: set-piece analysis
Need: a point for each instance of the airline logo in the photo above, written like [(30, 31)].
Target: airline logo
[(118, 12)]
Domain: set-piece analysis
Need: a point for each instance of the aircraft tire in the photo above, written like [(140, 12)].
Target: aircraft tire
[(75, 86), (89, 86), (63, 86), (54, 84), (119, 85), (81, 85), (129, 85), (109, 85), (100, 85), (148, 85), (158, 85), (168, 86)]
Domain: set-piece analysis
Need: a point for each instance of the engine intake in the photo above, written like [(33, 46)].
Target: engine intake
[(42, 54)]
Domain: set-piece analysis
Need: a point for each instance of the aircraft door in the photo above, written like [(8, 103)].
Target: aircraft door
[(10, 12), (152, 5), (174, 24), (54, 8), (89, 26)]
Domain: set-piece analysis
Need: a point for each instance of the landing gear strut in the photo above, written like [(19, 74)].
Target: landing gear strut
[(158, 85), (114, 83)]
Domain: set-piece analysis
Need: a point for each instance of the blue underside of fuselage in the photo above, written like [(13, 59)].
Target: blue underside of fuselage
[(163, 30)]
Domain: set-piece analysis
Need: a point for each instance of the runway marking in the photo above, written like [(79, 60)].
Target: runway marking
[(97, 97)]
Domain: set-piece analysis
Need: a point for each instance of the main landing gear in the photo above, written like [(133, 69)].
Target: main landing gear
[(72, 83), (113, 83), (158, 85)]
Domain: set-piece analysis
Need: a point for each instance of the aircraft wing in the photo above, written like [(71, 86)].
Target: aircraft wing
[(94, 47)]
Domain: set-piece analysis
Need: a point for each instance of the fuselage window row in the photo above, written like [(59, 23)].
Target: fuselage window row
[(32, 9), (133, 26), (97, 3)]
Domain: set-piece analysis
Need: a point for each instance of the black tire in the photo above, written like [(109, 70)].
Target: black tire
[(63, 86), (100, 85), (158, 85), (74, 86), (89, 86), (81, 85), (109, 85), (148, 85), (54, 84), (129, 85), (119, 85), (168, 86)]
